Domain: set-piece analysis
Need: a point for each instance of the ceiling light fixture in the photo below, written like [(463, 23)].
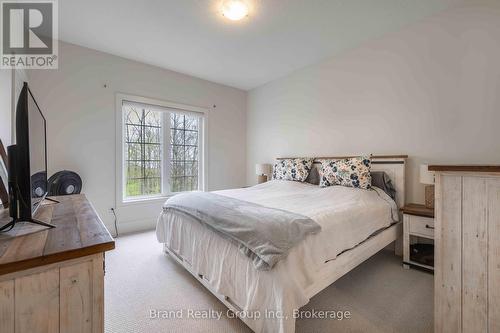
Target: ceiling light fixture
[(234, 10)]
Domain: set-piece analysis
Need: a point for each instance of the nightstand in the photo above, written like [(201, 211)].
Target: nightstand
[(418, 228)]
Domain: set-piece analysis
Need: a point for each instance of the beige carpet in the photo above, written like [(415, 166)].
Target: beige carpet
[(380, 294)]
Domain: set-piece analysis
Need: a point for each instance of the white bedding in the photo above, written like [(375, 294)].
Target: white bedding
[(347, 217)]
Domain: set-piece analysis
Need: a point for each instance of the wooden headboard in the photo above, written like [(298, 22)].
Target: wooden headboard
[(393, 165), (395, 168)]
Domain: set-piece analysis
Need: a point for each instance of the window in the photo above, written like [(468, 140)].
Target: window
[(143, 147), (184, 153), (162, 150)]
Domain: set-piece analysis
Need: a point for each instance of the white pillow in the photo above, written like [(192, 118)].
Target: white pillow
[(350, 172), (296, 169)]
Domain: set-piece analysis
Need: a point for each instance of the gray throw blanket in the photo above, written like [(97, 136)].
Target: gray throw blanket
[(263, 234)]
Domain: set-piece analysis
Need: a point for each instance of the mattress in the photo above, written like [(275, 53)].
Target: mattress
[(347, 216)]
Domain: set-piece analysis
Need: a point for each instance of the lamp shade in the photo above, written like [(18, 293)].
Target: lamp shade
[(262, 169), (426, 176)]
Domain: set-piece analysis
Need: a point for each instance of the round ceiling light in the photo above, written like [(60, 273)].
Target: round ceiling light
[(234, 9)]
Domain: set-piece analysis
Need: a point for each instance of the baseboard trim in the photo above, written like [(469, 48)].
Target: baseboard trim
[(128, 227)]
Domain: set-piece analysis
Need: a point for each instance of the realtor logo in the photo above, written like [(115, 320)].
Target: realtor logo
[(29, 34)]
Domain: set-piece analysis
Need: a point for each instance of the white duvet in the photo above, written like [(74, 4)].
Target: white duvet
[(347, 217)]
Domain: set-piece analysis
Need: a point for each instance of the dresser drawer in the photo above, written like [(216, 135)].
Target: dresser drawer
[(421, 225)]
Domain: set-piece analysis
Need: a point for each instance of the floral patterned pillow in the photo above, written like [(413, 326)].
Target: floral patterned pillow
[(350, 172), (292, 169)]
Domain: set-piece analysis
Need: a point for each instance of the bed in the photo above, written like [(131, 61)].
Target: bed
[(355, 224)]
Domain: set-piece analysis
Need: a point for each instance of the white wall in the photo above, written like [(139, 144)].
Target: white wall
[(19, 76), (5, 109), (5, 106), (80, 114), (11, 84), (431, 91)]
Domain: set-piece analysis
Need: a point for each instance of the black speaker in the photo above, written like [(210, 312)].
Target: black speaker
[(39, 184), (65, 183)]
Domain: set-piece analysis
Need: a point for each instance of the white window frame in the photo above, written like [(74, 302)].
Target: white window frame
[(162, 106)]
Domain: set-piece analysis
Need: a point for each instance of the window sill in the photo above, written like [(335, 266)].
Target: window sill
[(142, 201), (149, 200)]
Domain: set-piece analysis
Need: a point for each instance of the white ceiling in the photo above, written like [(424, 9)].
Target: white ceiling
[(191, 36)]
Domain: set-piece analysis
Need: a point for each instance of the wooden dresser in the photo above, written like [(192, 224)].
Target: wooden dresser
[(52, 280), (467, 249)]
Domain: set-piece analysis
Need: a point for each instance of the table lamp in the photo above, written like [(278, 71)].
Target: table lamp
[(427, 177), (263, 171)]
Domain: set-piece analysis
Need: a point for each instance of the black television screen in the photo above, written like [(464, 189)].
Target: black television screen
[(30, 175), (37, 153), (27, 160)]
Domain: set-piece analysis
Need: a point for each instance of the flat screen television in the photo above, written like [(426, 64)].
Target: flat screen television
[(28, 160)]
